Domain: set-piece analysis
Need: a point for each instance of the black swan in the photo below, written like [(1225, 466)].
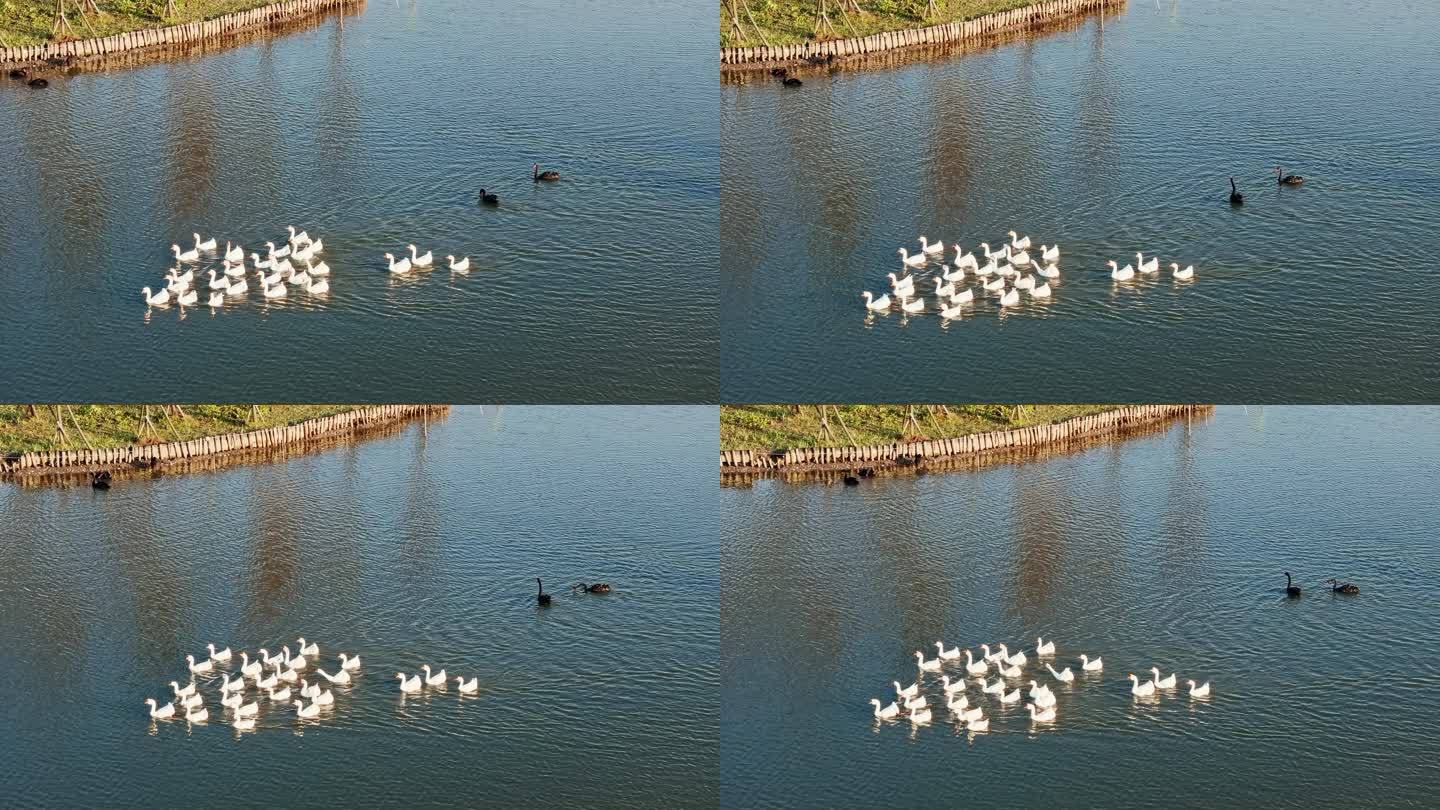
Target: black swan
[(851, 481), (546, 175), (792, 82), (597, 587), (1287, 179), (779, 73), (1291, 589), (100, 480), (542, 597), (1342, 587), (1236, 198), (39, 83), (489, 199), (19, 73)]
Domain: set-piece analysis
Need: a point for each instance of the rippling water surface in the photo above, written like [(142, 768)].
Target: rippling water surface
[(1166, 549), (372, 132), (410, 549), (1109, 140)]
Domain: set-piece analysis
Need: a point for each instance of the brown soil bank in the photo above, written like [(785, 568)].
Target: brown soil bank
[(210, 451), (820, 51), (72, 52), (1080, 428)]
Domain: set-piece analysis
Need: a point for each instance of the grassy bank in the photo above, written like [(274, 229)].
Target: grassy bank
[(27, 22), (787, 22), (778, 427), (120, 425)]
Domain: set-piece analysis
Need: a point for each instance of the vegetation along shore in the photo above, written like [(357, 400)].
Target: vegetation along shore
[(25, 428), (31, 22), (779, 427), (790, 22)]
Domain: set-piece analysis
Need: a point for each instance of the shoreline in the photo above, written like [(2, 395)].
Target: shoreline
[(829, 51), (77, 52), (959, 449), (209, 452)]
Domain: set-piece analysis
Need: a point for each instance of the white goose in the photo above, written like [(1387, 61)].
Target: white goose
[(978, 724), (1018, 243), (265, 264), (906, 305), (309, 690), (298, 662), (1025, 283), (1011, 697), (1050, 255), (277, 291), (1006, 270), (1140, 689), (944, 289), (191, 255), (947, 655), (411, 685), (987, 269), (963, 297), (232, 701), (958, 704), (232, 686), (203, 666), (991, 656), (1065, 675), (318, 246), (996, 688), (234, 255), (911, 704), (1199, 691), (301, 238), (933, 665), (318, 270), (218, 284), (307, 712), (186, 299), (931, 247), (248, 710), (192, 701), (162, 712), (218, 655), (207, 245), (1010, 298), (953, 311), (349, 663), (271, 279), (964, 260), (1047, 271), (1037, 689), (421, 261), (1045, 715), (975, 667), (318, 287), (300, 279), (473, 685), (958, 274), (1045, 699), (400, 267), (885, 712), (1091, 666), (277, 253), (272, 660), (951, 688), (303, 254), (286, 674), (974, 714), (919, 717), (234, 271), (995, 255), (1009, 670), (1183, 275), (462, 266), (1121, 273), (901, 285), (248, 667), (908, 692), (994, 284), (1041, 291), (1163, 683), (268, 683), (1018, 659), (911, 261), (325, 698), (284, 267), (244, 724), (159, 299), (197, 717), (1020, 259), (283, 696), (876, 304), (1149, 268), (339, 677)]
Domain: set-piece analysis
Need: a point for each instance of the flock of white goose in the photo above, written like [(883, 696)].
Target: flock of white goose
[(283, 264), (281, 686), (1007, 272), (1007, 689)]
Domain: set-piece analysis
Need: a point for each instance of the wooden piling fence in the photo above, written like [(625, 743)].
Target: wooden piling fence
[(134, 455), (1032, 15), (1129, 416), (185, 33)]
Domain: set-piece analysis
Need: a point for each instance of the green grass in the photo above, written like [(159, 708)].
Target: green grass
[(120, 425), (781, 427), (787, 22), (27, 22)]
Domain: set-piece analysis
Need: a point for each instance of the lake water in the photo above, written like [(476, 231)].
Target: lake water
[(418, 547), (600, 287), (1165, 549), (1110, 141)]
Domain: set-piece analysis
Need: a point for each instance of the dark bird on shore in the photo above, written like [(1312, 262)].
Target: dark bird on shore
[(594, 587), (489, 199), (817, 59), (866, 472), (19, 73), (1287, 179), (851, 481), (779, 73), (546, 175), (39, 83), (1291, 589), (100, 480), (1342, 587), (792, 82), (542, 597), (1236, 198)]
